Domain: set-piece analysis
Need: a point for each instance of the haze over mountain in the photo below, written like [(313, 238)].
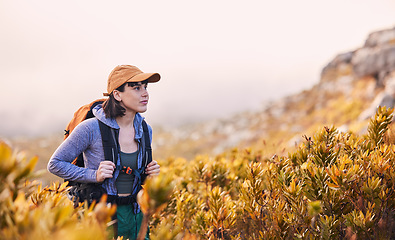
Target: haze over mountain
[(216, 58), (350, 89)]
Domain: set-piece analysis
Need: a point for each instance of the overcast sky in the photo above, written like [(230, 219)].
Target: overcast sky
[(215, 57)]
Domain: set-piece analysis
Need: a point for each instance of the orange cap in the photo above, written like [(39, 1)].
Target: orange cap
[(127, 73)]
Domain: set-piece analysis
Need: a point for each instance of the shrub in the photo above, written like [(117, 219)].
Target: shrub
[(29, 211), (334, 186)]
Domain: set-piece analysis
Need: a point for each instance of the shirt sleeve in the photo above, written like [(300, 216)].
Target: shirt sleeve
[(60, 163)]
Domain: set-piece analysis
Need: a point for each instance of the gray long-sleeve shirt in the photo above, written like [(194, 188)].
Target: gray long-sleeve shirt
[(86, 139)]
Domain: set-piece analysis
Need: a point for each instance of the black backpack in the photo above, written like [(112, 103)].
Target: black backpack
[(92, 192)]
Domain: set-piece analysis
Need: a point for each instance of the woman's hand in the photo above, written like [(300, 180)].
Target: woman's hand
[(152, 168), (106, 169)]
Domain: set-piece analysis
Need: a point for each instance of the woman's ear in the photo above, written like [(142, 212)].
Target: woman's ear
[(117, 95)]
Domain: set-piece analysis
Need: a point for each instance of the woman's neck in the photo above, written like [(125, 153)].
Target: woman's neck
[(126, 121)]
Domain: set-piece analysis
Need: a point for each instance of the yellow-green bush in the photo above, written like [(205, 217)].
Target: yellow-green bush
[(29, 211), (336, 185)]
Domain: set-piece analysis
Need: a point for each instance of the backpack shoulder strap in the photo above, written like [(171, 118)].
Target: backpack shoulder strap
[(147, 140), (147, 155), (109, 146)]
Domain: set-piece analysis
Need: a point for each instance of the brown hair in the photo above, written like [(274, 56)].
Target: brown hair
[(112, 108)]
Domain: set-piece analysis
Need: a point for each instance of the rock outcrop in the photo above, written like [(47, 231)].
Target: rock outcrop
[(375, 59)]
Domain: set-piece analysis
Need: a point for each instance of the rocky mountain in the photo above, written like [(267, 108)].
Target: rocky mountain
[(351, 87)]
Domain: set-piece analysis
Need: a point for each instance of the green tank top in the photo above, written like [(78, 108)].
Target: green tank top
[(124, 181)]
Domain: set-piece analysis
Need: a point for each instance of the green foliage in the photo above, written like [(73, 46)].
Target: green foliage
[(378, 126), (28, 211), (335, 185), (153, 198)]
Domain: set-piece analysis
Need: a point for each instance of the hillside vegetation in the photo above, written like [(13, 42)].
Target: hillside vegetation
[(336, 185)]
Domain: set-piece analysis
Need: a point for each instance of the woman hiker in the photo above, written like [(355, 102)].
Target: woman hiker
[(127, 98)]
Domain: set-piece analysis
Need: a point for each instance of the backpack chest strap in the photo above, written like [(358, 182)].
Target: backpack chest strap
[(130, 171)]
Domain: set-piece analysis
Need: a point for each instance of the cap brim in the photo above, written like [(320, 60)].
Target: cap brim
[(151, 77)]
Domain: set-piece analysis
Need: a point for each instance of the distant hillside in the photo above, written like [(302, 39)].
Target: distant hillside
[(352, 85)]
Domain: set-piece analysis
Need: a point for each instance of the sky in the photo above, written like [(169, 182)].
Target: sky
[(216, 57)]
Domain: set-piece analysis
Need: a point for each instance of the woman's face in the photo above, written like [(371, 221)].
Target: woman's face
[(134, 99)]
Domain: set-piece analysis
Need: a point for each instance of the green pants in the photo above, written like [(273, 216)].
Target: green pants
[(129, 223)]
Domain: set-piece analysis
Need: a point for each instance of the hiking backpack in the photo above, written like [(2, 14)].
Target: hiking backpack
[(93, 191)]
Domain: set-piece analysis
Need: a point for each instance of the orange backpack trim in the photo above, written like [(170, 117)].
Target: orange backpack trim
[(79, 116)]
